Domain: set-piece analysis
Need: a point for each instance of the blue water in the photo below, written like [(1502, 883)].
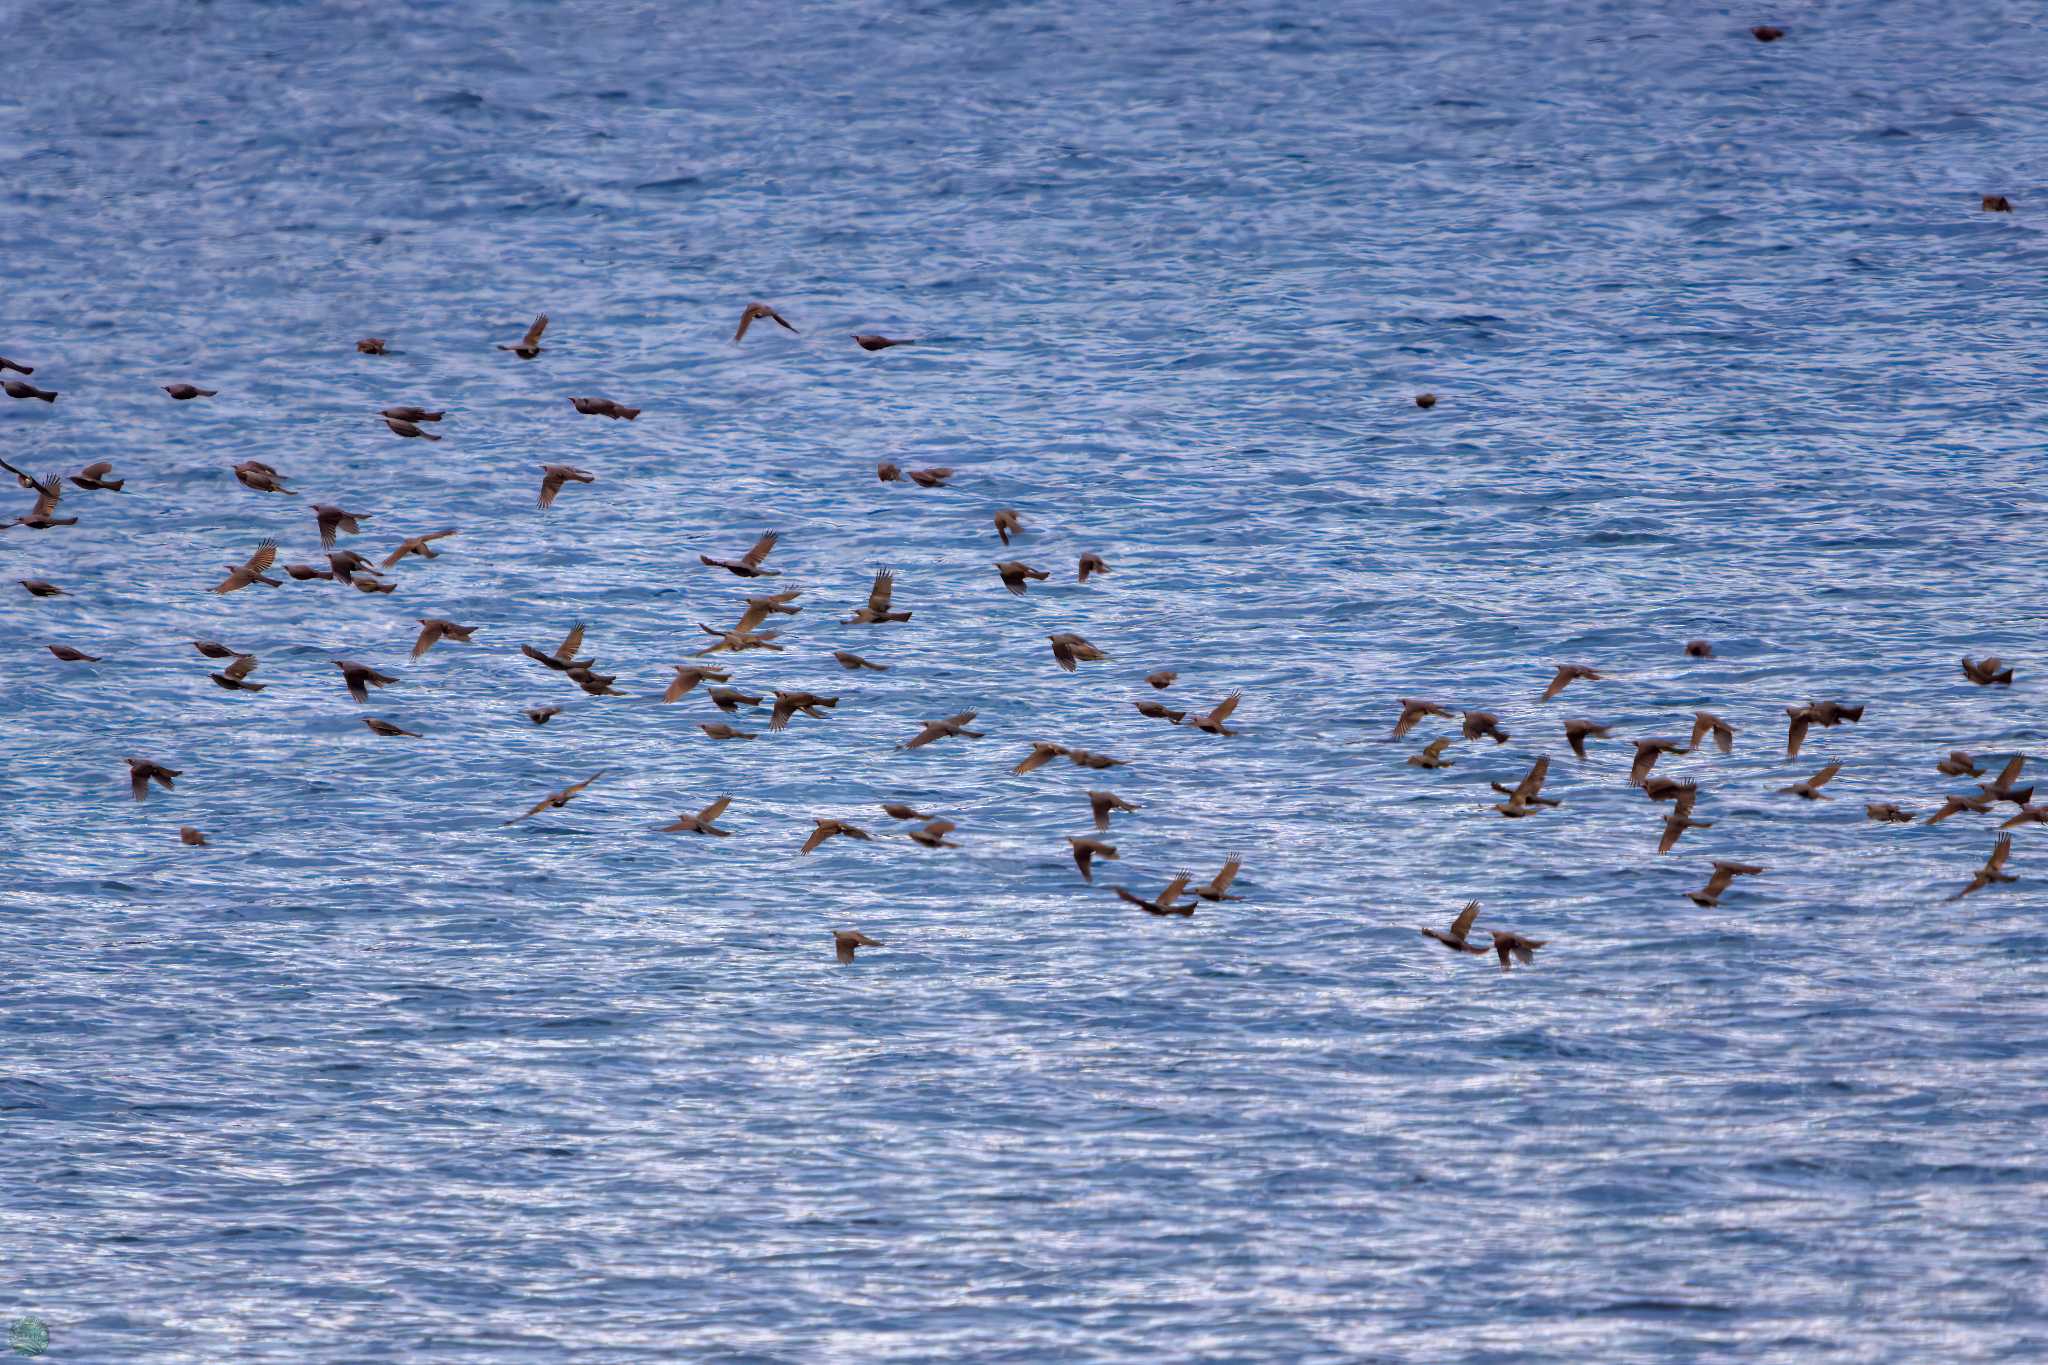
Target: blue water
[(1725, 349)]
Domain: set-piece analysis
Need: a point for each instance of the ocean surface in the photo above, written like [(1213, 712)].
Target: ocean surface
[(1724, 347)]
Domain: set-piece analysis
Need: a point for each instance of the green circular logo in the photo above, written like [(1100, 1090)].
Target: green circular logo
[(29, 1337)]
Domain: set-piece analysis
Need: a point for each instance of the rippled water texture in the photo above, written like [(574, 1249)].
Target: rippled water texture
[(1725, 349)]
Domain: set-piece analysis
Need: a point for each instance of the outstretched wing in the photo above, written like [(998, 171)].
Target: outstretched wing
[(571, 643), (1461, 927), (532, 337), (1223, 709), (265, 556), (1532, 783), (879, 594), (242, 667), (714, 810), (1224, 878), (1824, 776), (1174, 888), (752, 558), (2010, 773), (1996, 862)]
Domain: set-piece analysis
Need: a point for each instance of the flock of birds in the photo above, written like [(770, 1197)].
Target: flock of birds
[(749, 632)]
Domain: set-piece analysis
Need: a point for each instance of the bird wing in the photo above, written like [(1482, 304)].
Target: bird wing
[(932, 730), (577, 787), (1532, 783), (1701, 724), (939, 829), (1724, 737), (747, 316), (1996, 862), (1796, 734), (571, 643), (879, 594), (714, 810), (753, 557), (825, 830), (2010, 773), (1462, 925), (1674, 825), (551, 484), (1227, 875), (779, 318), (1174, 888), (1557, 684), (751, 617), (1223, 709), (532, 337), (429, 634), (138, 781), (1687, 795), (242, 667), (265, 556), (1824, 776)]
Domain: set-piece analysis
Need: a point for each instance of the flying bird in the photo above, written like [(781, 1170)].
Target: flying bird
[(1959, 764), (1086, 851), (758, 312), (1508, 945), (1995, 203), (564, 658), (789, 704), (1723, 877), (528, 346), (1956, 805), (1218, 887), (2001, 787), (896, 810), (387, 729), (1647, 751), (1069, 649), (94, 477), (1425, 401), (16, 389), (418, 545), (1810, 788), (1992, 871), (1698, 649), (1986, 672), (876, 609), (1212, 724), (748, 565), (604, 407), (434, 629), (1887, 813), (412, 414), (1161, 679), (37, 587), (869, 341), (332, 519), (1706, 723), (1041, 754), (1432, 755), (541, 715), (952, 727), (701, 822), (1766, 33), (929, 478), (759, 609), (557, 800), (731, 699), (1008, 523), (1158, 711), (370, 346), (403, 427), (15, 365), (1168, 902), (235, 677), (1092, 563), (261, 477), (933, 834), (1577, 732), (1102, 803), (1015, 574), (718, 729), (142, 771), (191, 837), (553, 476), (1082, 758), (251, 570), (845, 941), (1568, 674), (686, 680), (1413, 709), (853, 663), (1524, 798), (186, 392), (360, 678), (214, 649), (1458, 939), (1477, 723), (72, 656), (832, 829)]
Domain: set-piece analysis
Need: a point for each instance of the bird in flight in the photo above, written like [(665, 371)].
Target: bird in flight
[(1168, 901), (557, 800), (748, 565), (760, 312), (1458, 938), (528, 346)]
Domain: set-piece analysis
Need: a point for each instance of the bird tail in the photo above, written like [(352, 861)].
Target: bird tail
[(629, 413)]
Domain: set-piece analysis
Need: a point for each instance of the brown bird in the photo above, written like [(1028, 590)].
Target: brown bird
[(1212, 724), (401, 427), (1956, 805), (16, 389), (1647, 751), (759, 609), (757, 312), (332, 519), (1086, 851), (888, 473), (844, 941), (1169, 901), (412, 414), (1514, 945), (898, 811), (49, 491), (39, 588), (1008, 522), (1218, 888), (2001, 787), (1887, 813), (737, 641), (731, 699), (553, 476), (718, 729), (1068, 649), (141, 772), (433, 630), (1457, 940), (1825, 714), (876, 610), (1524, 798), (1676, 824), (1959, 764), (869, 341), (1992, 871), (1723, 877), (1162, 679), (1810, 789), (564, 658), (186, 392), (1706, 723), (1986, 672), (831, 829), (418, 545), (952, 727), (596, 684), (748, 565), (1477, 723), (788, 704), (933, 835), (365, 582), (853, 663), (557, 800), (1568, 674), (541, 715), (235, 677), (359, 678), (1102, 803), (1092, 563), (1413, 709), (1764, 33), (387, 729), (1432, 755), (1082, 758), (1041, 754), (1157, 711), (529, 346), (1698, 649), (604, 407), (261, 477), (686, 680), (1425, 401), (191, 837), (1014, 575), (370, 346), (2028, 815), (1577, 732), (72, 656), (214, 649), (930, 478), (94, 477), (251, 570), (15, 365), (701, 822), (1997, 203), (346, 564)]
